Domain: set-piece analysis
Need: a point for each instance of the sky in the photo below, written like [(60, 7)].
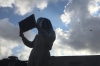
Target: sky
[(75, 22)]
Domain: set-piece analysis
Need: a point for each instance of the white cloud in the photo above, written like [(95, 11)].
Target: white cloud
[(24, 53), (93, 6), (6, 3), (25, 6), (6, 47), (65, 18), (42, 4)]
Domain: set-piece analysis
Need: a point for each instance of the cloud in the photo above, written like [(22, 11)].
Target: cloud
[(10, 32), (84, 27), (6, 3), (29, 5), (24, 53), (9, 37), (94, 6), (23, 7), (61, 47), (65, 18)]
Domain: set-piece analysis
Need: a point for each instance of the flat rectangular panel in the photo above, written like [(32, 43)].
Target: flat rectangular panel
[(27, 23)]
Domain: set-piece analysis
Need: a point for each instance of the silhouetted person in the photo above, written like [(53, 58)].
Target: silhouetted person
[(41, 44)]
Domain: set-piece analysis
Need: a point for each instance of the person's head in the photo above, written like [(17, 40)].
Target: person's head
[(44, 23)]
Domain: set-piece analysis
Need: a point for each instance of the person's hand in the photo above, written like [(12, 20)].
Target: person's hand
[(37, 26), (21, 33)]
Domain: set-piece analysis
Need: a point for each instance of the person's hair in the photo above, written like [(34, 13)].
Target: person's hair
[(44, 23)]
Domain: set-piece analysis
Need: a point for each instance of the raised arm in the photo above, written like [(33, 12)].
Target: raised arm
[(27, 42)]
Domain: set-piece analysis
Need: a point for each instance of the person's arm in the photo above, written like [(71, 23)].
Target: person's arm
[(27, 42)]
